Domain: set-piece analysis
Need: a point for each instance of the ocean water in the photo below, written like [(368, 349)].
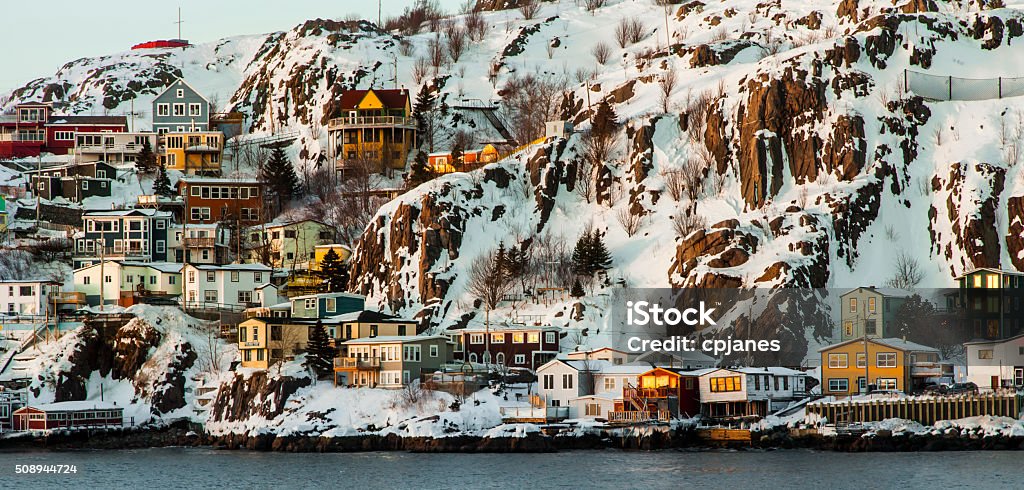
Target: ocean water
[(599, 469)]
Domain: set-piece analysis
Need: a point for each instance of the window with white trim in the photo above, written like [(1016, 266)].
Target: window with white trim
[(838, 384), (194, 109), (885, 359)]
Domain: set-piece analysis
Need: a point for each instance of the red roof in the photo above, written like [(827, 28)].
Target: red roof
[(391, 98)]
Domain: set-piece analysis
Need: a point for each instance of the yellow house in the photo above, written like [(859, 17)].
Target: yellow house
[(192, 152), (888, 364), (320, 251), (375, 127), (264, 341)]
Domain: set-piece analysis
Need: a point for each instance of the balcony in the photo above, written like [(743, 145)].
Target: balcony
[(371, 122), (111, 148), (356, 363), (663, 392), (67, 298), (205, 242), (633, 417)]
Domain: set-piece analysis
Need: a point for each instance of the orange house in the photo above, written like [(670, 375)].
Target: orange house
[(663, 389), (443, 163)]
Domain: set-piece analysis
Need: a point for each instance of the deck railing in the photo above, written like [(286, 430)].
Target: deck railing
[(356, 363), (633, 416), (340, 122), (74, 297)]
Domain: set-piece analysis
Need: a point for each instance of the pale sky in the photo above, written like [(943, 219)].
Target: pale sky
[(41, 35)]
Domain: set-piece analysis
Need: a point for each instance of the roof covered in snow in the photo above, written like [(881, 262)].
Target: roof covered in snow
[(900, 344), (394, 339), (73, 406)]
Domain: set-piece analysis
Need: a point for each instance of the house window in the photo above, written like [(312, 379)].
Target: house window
[(194, 110), (885, 383), (838, 361), (245, 297), (433, 351), (593, 409), (566, 381), (497, 338), (848, 328), (276, 332), (853, 305), (160, 246), (163, 110), (211, 276), (723, 384), (987, 353), (861, 360), (331, 305), (518, 337), (171, 280), (310, 303), (870, 327), (258, 277), (179, 93), (885, 359), (411, 353), (191, 277), (549, 337), (64, 135), (476, 338), (161, 224), (838, 385), (179, 110), (210, 295), (85, 185), (289, 233), (234, 276), (533, 337), (871, 305), (520, 359), (609, 384)]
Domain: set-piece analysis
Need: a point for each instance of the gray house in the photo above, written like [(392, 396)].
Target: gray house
[(325, 305), (180, 108), (869, 311), (133, 234)]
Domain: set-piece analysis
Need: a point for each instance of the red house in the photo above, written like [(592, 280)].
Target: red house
[(513, 346), (66, 415), (23, 132), (61, 131), (671, 390), (32, 129)]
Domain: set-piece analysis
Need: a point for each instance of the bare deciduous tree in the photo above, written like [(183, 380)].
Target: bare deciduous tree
[(435, 52), (602, 52), (476, 26), (420, 70), (667, 84), (629, 31), (488, 281), (529, 102), (592, 5), (907, 272), (686, 221), (529, 8), (455, 38), (631, 222)]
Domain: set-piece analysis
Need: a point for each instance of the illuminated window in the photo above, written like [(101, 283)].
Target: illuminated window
[(726, 384)]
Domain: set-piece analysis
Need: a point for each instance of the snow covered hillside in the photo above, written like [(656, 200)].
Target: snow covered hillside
[(766, 144)]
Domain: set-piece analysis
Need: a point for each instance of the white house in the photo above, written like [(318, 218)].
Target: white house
[(608, 385), (26, 297), (563, 380), (609, 354), (749, 391), (993, 364), (122, 280), (232, 284)]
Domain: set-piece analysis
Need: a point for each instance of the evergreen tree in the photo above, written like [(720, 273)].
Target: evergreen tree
[(581, 255), (319, 353), (457, 154), (162, 184), (600, 259), (333, 272), (605, 120), (419, 170), (146, 161), (423, 112), (577, 289), (279, 177)]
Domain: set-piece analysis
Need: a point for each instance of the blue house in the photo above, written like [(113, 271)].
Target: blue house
[(325, 305), (180, 109), (129, 234)]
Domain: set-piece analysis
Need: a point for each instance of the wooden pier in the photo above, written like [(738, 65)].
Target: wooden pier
[(924, 410)]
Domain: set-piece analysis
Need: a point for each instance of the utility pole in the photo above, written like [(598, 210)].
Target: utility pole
[(379, 25), (179, 22), (39, 177), (102, 244)]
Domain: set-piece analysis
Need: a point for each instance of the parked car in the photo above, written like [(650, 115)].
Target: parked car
[(934, 388), (962, 388)]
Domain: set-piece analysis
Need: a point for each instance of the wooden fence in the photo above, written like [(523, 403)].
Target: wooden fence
[(924, 410)]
